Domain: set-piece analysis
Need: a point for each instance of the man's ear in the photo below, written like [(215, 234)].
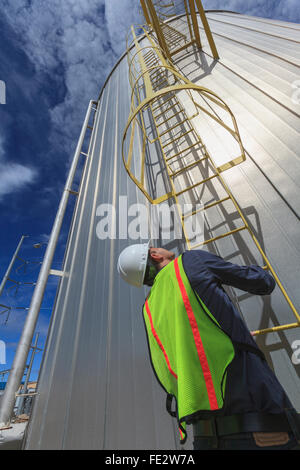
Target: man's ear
[(156, 257)]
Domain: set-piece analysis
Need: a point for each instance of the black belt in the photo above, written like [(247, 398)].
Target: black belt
[(244, 423)]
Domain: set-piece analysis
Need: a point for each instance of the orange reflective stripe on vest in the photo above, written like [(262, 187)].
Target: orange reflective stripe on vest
[(198, 342), (158, 340)]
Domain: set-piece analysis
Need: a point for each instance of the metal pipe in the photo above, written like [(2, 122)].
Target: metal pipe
[(6, 275), (18, 366), (24, 389)]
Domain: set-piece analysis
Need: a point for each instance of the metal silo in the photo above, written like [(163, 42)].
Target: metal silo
[(96, 388)]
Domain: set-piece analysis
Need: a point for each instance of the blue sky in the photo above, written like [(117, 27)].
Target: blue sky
[(55, 56)]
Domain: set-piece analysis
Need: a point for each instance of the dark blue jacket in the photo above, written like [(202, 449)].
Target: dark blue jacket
[(251, 385)]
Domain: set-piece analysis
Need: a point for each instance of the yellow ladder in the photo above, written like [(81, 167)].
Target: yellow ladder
[(170, 40), (167, 108), (160, 97)]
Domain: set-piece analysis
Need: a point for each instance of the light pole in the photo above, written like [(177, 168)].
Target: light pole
[(7, 274)]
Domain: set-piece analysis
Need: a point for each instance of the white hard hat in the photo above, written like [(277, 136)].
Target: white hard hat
[(132, 263)]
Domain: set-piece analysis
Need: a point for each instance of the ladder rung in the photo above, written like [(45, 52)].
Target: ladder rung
[(174, 127), (208, 206), (157, 79), (152, 72), (220, 236), (151, 60), (158, 107), (158, 85), (177, 138), (164, 102), (184, 150), (165, 111), (176, 173), (166, 120), (156, 73), (196, 184), (152, 64)]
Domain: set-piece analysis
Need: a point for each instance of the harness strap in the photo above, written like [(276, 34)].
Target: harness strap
[(169, 405), (182, 431)]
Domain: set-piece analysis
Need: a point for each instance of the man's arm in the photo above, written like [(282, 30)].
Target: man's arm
[(252, 279)]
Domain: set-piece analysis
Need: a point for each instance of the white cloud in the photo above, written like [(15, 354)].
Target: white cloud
[(120, 15), (13, 177), (77, 42)]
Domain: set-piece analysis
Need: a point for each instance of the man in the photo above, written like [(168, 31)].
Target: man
[(203, 353)]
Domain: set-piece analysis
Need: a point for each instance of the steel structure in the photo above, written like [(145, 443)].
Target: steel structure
[(96, 388)]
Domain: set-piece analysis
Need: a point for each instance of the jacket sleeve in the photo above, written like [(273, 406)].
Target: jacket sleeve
[(252, 279)]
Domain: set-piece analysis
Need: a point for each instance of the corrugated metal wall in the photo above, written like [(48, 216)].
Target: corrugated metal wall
[(96, 387)]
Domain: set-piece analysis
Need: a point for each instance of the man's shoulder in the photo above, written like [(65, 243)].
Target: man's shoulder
[(197, 256)]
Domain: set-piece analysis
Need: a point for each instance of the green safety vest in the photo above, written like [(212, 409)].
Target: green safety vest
[(189, 351)]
